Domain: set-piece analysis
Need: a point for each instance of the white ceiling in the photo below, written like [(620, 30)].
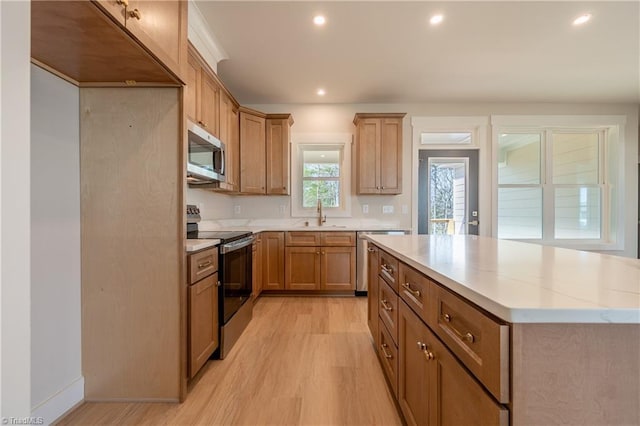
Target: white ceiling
[(387, 52)]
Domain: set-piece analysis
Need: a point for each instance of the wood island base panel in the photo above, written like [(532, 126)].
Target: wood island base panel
[(459, 346)]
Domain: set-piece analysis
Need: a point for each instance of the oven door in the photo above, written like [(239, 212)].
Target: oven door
[(235, 258)]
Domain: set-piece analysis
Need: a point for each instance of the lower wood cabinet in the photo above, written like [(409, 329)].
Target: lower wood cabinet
[(310, 266), (256, 265), (433, 387), (372, 292), (203, 322), (272, 261)]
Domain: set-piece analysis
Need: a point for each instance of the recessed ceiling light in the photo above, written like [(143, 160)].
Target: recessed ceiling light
[(319, 20), (582, 19), (436, 19), (321, 92)]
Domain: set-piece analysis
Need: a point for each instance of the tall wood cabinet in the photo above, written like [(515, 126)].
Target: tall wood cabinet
[(378, 153), (253, 152), (278, 157)]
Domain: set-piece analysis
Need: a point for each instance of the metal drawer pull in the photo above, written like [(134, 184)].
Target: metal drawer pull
[(370, 250), (385, 305), (427, 353), (467, 336), (407, 287), (386, 268), (384, 350), (204, 264)]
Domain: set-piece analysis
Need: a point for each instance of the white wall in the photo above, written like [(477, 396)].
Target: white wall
[(338, 118), (56, 376), (15, 354)]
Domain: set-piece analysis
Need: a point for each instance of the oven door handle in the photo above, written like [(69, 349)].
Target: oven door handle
[(236, 245)]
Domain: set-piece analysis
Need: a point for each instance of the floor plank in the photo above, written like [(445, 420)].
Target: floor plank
[(301, 361)]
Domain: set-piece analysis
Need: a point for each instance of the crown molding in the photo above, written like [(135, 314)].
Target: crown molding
[(203, 39)]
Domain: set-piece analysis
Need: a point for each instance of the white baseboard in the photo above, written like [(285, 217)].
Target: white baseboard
[(61, 402)]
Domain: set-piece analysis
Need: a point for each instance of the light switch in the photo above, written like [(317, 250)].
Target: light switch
[(365, 208), (405, 209), (387, 209), (236, 209)]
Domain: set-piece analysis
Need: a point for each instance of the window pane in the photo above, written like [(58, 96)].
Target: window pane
[(519, 158), (326, 190), (577, 213), (520, 213), (321, 163), (575, 158)]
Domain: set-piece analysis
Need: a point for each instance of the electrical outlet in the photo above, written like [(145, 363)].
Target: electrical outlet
[(283, 209), (387, 209), (236, 209), (365, 208), (405, 209)]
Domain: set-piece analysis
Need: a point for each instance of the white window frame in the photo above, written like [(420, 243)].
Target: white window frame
[(611, 131), (342, 142)]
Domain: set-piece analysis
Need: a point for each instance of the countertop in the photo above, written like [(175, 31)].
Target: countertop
[(195, 245), (523, 282)]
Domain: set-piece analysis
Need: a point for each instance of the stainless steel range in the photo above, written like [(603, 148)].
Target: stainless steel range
[(235, 307)]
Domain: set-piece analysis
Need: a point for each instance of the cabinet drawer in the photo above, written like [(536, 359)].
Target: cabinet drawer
[(388, 269), (202, 264), (347, 239), (302, 238), (414, 289), (481, 343), (388, 354), (388, 308)]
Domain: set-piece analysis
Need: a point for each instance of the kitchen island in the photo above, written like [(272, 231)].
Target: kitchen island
[(547, 335)]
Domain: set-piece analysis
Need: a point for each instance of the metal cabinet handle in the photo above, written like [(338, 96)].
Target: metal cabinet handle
[(204, 264), (385, 305), (427, 353), (370, 250), (384, 347), (124, 3), (387, 269), (135, 13), (407, 287), (468, 336)]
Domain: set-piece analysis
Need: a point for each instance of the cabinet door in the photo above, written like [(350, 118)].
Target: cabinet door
[(192, 90), (457, 399), (228, 131), (257, 272), (252, 154), (338, 268), (414, 372), (372, 291), (390, 178), (277, 139), (273, 260), (203, 322), (209, 103), (369, 134), (161, 26), (302, 268)]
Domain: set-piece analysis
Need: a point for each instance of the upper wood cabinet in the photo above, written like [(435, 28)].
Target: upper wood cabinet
[(378, 153), (202, 95), (278, 141), (252, 152), (144, 42), (229, 129)]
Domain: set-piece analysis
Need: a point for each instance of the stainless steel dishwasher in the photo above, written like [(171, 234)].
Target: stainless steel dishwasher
[(362, 255)]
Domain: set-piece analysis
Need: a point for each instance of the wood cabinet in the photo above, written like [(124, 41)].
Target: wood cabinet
[(372, 292), (273, 261), (445, 360), (202, 99), (252, 152), (256, 259), (144, 42), (310, 266), (229, 132), (278, 158), (433, 387), (378, 153), (203, 328)]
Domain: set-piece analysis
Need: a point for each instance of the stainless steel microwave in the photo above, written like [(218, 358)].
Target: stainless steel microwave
[(206, 157)]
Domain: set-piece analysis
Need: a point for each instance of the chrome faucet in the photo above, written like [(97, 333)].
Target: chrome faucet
[(321, 219)]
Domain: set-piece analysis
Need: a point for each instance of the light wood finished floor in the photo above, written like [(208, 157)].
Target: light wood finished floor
[(301, 361)]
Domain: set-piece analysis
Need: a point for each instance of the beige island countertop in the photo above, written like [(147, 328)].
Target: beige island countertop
[(526, 283)]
